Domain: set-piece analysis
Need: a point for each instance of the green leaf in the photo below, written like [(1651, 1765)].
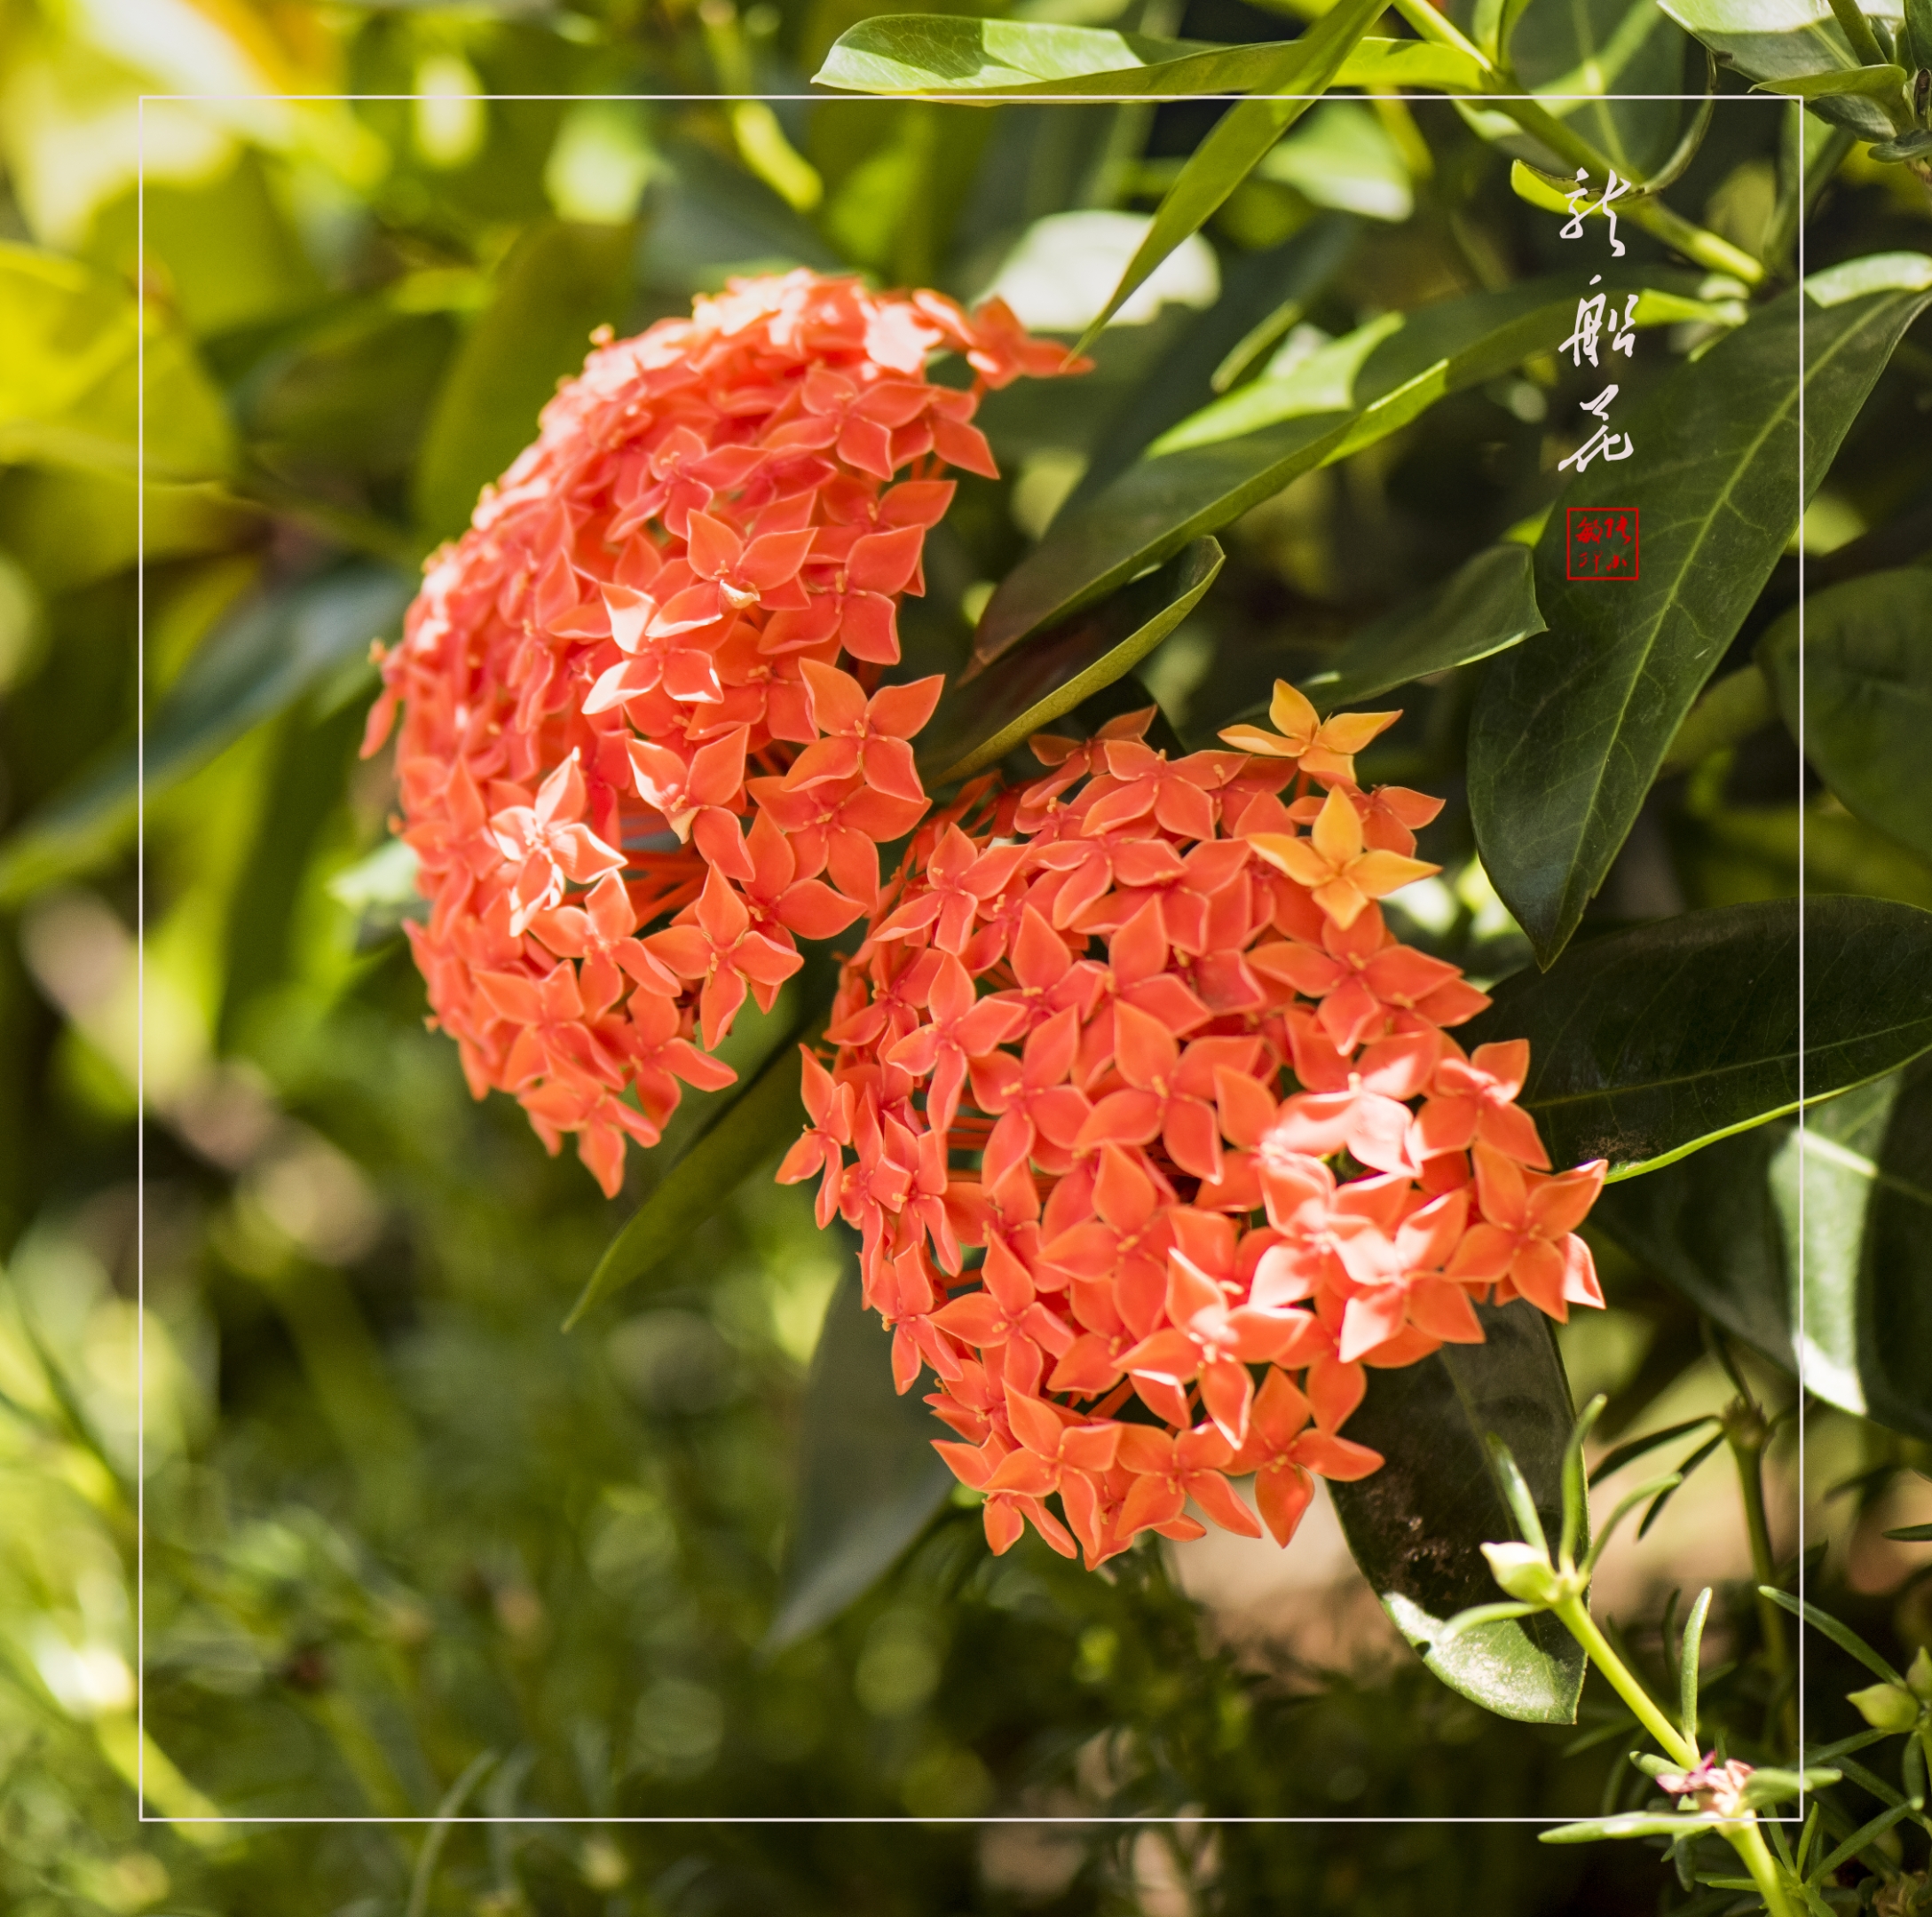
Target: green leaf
[(938, 54), (1875, 82), (1863, 691), (1647, 1044), (71, 380), (1723, 1227), (1417, 1525), (1569, 732), (1238, 140), (709, 220), (1341, 156), (1488, 605), (869, 1479), (1261, 297), (1690, 1650), (1231, 456), (987, 713), (1630, 1824), (1841, 1635), (742, 1133), (1827, 1866), (559, 282), (1404, 66), (1913, 1534), (253, 664), (1633, 1448), (1781, 40)]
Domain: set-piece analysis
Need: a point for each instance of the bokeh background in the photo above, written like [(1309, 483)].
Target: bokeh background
[(408, 1547)]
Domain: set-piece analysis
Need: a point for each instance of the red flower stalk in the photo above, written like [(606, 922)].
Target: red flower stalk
[(1156, 1136), (635, 651)]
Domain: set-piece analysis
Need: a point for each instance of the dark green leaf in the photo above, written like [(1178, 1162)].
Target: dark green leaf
[(935, 53), (1417, 1525), (742, 1134), (1647, 1044), (1826, 1866), (1865, 688), (1487, 606), (1612, 1461), (1231, 456), (1239, 138), (1841, 1635), (1684, 1470), (869, 1479), (255, 664), (708, 220), (559, 282), (1723, 1227), (1569, 732), (1913, 1534), (985, 716)]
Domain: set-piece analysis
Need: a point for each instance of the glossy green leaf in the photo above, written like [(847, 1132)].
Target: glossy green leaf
[(984, 716), (1874, 82), (1239, 139), (1862, 690), (1417, 1525), (869, 1479), (1783, 40), (1647, 1044), (944, 54), (559, 282), (255, 664), (1214, 466), (742, 1133), (1568, 732), (1486, 605)]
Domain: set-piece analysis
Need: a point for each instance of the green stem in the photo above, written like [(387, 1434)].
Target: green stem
[(1693, 241), (1750, 1459), (1749, 1842), (1582, 1627)]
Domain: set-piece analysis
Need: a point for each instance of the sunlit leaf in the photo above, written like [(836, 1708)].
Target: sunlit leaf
[(869, 1479), (1569, 731), (1861, 691), (1416, 1526), (1784, 40), (983, 718), (1647, 1044)]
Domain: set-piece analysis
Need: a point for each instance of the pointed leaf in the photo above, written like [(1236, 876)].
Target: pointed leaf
[(1417, 1525), (1875, 82), (1862, 691), (558, 283), (1782, 39), (1629, 1452), (255, 663), (743, 1132), (1240, 138), (937, 54), (1841, 1635), (1630, 1824), (869, 1479), (1647, 1044), (1568, 734), (987, 713), (1690, 1651), (1406, 65), (1231, 456), (1484, 607), (1725, 1226)]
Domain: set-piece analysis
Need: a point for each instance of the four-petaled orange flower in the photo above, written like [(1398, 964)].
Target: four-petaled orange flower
[(1341, 873), (1324, 749)]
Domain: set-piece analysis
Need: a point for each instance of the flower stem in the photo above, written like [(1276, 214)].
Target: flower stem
[(1576, 1616), (1749, 1842)]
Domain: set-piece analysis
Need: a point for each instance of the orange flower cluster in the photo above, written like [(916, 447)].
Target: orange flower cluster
[(1139, 1035), (667, 621)]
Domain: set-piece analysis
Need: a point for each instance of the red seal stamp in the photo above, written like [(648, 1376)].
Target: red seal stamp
[(1600, 542)]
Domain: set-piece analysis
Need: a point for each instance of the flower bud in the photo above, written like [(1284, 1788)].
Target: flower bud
[(1524, 1572), (1887, 1707)]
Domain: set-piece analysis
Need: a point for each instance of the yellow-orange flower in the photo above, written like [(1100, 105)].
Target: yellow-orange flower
[(1324, 749), (1335, 864)]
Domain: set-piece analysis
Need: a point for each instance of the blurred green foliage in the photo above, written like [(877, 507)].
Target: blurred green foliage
[(406, 1549)]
